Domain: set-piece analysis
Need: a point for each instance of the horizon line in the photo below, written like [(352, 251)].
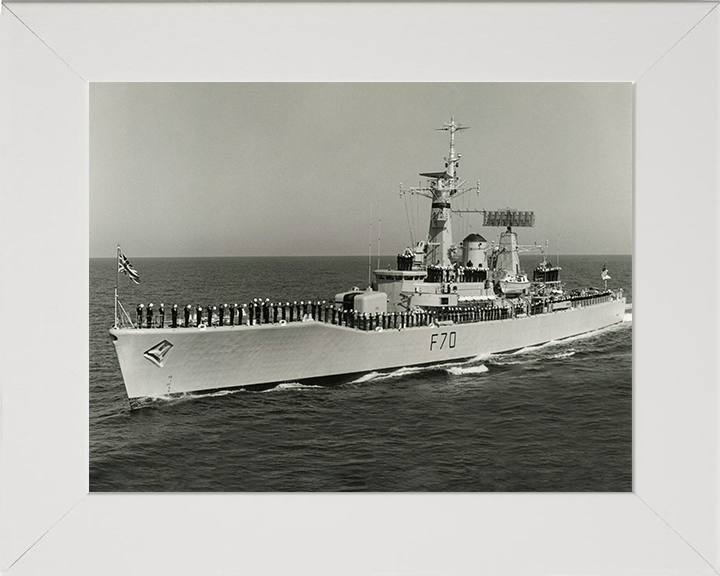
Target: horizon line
[(375, 256)]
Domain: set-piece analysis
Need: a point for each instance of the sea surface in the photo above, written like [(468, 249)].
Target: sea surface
[(555, 417)]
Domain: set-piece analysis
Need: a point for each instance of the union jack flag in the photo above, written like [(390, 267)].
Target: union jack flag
[(125, 267)]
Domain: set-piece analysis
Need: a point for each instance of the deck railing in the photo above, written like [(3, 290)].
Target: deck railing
[(265, 312)]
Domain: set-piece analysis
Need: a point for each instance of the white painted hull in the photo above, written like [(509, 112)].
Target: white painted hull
[(227, 357)]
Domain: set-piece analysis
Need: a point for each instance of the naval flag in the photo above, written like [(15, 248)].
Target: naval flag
[(125, 267), (604, 274)]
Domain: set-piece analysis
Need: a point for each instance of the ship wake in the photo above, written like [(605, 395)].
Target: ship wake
[(171, 399), (285, 386), (624, 325), (398, 373), (559, 349), (456, 368), (462, 370)]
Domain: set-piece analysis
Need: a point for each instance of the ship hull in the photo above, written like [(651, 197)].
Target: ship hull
[(167, 361)]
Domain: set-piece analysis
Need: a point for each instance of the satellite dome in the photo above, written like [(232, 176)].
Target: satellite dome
[(474, 238)]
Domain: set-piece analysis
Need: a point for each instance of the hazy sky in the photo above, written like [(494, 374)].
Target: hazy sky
[(254, 169)]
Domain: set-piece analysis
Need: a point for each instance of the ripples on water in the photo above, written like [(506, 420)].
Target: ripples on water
[(555, 417)]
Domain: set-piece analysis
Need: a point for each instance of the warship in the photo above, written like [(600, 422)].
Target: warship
[(443, 302)]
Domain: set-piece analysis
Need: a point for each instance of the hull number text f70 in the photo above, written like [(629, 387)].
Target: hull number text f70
[(441, 340)]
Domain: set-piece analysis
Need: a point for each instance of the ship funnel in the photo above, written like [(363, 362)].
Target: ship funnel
[(473, 251)]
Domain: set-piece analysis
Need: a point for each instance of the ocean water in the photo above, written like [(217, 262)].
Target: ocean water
[(556, 417)]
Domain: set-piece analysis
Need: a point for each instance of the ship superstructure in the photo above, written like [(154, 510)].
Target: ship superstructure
[(442, 302), (455, 274)]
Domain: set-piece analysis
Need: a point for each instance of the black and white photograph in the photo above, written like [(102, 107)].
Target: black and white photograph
[(366, 287)]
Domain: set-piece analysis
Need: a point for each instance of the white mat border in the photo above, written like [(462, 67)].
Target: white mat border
[(669, 526)]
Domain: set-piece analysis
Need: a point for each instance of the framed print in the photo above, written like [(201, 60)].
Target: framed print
[(50, 55)]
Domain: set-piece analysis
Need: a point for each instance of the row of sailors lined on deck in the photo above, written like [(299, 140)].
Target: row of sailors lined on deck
[(262, 312), (457, 273), (257, 312)]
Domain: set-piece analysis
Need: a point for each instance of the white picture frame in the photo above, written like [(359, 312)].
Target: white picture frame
[(49, 523)]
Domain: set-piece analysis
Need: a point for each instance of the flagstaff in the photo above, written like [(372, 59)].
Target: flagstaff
[(117, 281)]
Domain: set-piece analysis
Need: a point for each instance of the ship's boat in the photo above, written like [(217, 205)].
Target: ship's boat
[(515, 285), (443, 302)]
